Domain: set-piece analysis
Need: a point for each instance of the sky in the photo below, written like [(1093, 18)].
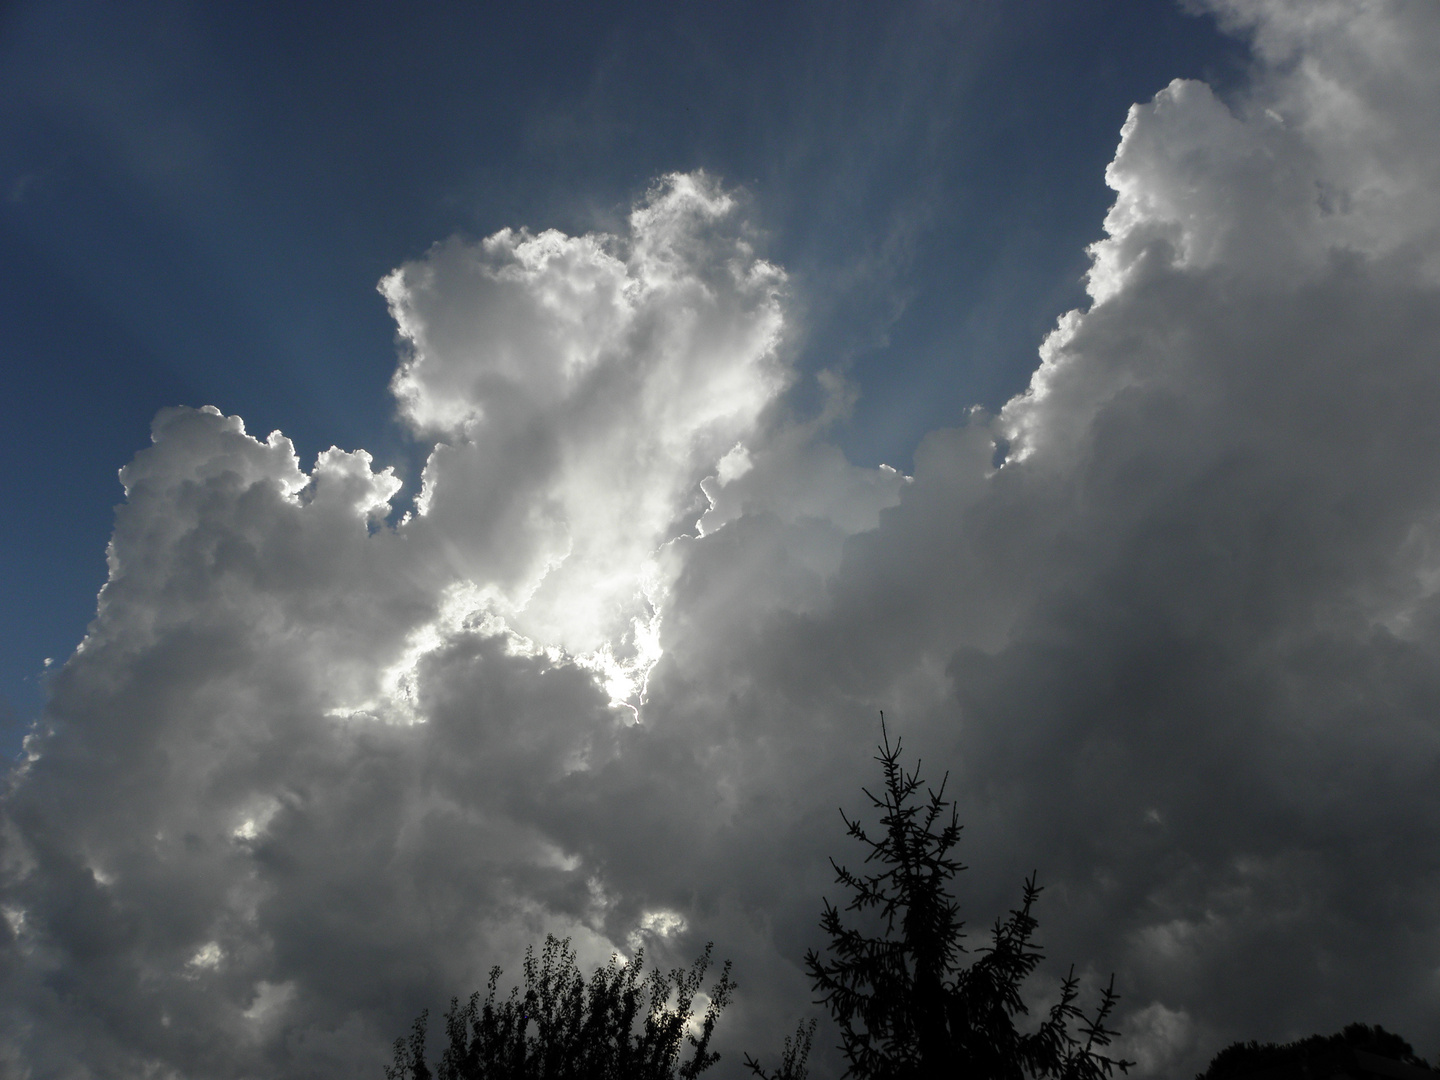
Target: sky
[(546, 441)]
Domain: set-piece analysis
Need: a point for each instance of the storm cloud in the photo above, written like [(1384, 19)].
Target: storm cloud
[(1169, 619)]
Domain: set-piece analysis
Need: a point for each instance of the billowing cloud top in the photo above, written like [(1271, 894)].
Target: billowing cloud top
[(322, 760), (583, 387)]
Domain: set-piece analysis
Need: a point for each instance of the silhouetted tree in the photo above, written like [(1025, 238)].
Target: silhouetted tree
[(792, 1061), (1357, 1051), (621, 1025), (907, 1008)]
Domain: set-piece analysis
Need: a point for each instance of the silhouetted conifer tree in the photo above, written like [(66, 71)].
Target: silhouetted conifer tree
[(908, 1009), (621, 1025)]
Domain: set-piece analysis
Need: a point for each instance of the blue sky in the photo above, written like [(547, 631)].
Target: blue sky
[(201, 198), (519, 456)]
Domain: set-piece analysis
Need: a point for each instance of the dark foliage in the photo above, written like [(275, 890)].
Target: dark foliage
[(1318, 1057), (908, 1009), (621, 1025), (793, 1060)]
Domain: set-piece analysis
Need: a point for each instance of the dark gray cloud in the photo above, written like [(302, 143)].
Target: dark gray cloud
[(316, 767)]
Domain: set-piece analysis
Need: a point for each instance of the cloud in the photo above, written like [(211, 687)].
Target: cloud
[(321, 760), (583, 387), (311, 766)]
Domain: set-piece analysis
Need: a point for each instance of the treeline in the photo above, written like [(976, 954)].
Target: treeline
[(1359, 1051), (905, 1001)]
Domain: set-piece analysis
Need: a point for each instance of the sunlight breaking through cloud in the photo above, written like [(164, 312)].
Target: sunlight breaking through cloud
[(319, 764)]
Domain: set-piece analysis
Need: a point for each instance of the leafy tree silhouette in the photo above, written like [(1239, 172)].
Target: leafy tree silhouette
[(622, 1025), (793, 1060), (906, 1006), (1358, 1051)]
